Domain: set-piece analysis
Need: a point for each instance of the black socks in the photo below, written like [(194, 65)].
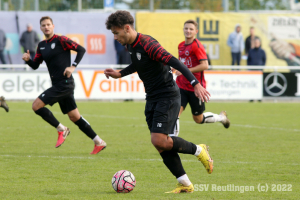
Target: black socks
[(182, 146), (172, 159), (47, 115), (85, 127), (173, 163)]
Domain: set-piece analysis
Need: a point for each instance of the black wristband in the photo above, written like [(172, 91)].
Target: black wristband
[(74, 64), (194, 82)]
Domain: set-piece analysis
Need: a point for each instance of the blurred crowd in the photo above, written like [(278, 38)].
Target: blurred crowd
[(254, 54), (29, 40)]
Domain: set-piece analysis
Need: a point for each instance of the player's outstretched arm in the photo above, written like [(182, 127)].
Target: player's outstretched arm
[(112, 73), (130, 69), (198, 68), (124, 72), (200, 91), (33, 64), (26, 56)]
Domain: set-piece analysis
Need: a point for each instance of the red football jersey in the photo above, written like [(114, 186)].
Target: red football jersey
[(191, 55)]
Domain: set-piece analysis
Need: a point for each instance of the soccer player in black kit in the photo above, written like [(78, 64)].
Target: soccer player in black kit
[(56, 52), (152, 63)]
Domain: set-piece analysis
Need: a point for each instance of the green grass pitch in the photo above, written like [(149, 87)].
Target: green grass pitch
[(260, 147)]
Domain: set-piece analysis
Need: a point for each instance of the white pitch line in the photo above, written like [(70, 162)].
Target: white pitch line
[(139, 118), (149, 160), (92, 115), (263, 127)]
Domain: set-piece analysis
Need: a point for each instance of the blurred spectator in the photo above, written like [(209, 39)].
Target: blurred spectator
[(123, 56), (29, 40), (256, 56), (236, 42), (2, 46), (250, 40)]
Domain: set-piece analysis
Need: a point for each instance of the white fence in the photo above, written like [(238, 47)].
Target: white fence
[(13, 67)]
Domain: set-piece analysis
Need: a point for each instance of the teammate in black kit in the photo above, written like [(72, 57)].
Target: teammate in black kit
[(55, 51), (151, 61)]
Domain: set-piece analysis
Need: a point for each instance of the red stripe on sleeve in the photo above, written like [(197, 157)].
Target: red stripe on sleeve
[(67, 43), (38, 56), (154, 49)]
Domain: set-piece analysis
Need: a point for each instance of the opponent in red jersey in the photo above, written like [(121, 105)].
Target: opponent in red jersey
[(193, 55)]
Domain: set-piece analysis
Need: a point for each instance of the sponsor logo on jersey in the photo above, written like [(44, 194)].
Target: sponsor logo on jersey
[(187, 53), (42, 48), (182, 60), (52, 45), (139, 56)]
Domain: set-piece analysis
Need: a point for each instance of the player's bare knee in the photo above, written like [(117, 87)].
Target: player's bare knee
[(35, 106), (157, 143), (74, 118), (198, 119)]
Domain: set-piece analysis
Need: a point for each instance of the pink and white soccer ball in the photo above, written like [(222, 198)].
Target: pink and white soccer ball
[(123, 181)]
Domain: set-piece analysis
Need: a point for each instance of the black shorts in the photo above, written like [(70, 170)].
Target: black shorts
[(161, 116), (63, 93), (197, 106)]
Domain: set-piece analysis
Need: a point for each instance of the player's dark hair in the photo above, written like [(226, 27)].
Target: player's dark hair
[(119, 19), (190, 21), (44, 18)]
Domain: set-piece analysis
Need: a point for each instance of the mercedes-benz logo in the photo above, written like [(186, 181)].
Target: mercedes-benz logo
[(277, 84)]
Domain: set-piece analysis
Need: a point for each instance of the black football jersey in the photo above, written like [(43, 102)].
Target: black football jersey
[(149, 60), (56, 52)]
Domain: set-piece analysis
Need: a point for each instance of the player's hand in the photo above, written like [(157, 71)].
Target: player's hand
[(178, 73), (201, 93), (26, 56), (281, 48), (112, 73), (68, 71)]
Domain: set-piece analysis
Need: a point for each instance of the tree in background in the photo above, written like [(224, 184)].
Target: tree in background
[(260, 5), (193, 5)]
